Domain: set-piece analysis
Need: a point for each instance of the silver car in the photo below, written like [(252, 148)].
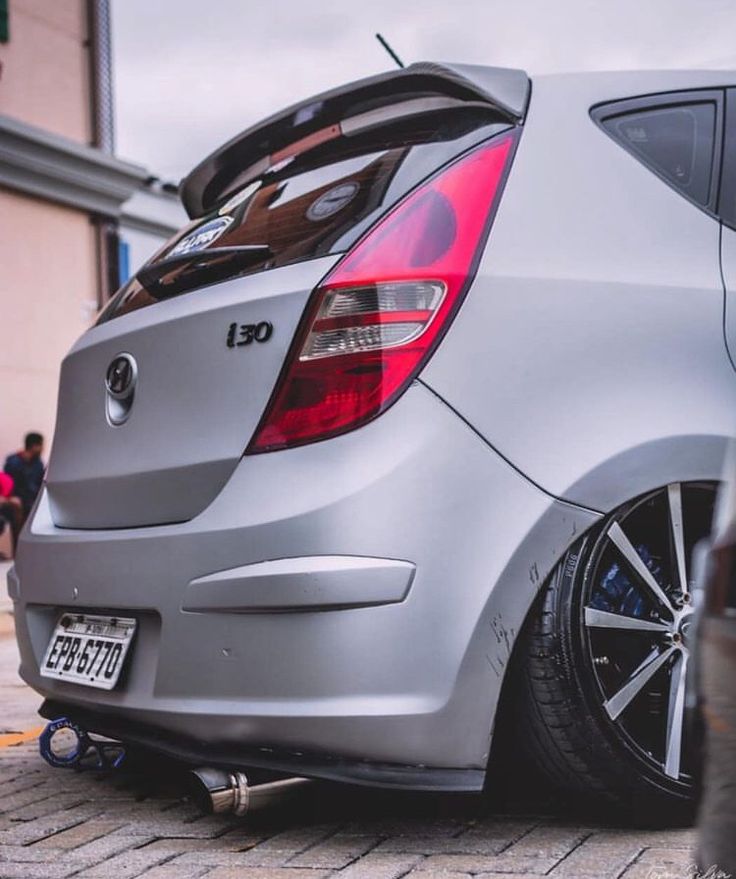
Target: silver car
[(405, 441)]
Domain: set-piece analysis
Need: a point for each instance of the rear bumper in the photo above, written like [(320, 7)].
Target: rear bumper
[(311, 765), (348, 603)]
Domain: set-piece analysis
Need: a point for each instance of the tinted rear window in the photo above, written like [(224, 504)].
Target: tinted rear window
[(321, 203), (677, 142)]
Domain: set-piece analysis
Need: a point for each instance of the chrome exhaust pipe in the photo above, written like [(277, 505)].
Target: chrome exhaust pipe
[(220, 790)]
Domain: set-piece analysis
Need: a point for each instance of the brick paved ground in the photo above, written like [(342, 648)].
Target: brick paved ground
[(59, 823)]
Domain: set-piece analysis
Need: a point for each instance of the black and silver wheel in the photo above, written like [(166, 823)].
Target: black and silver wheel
[(606, 657)]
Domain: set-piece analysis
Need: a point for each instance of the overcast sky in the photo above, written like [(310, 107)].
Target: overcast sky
[(190, 74)]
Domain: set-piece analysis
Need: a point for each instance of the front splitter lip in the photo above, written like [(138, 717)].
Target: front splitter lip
[(197, 753)]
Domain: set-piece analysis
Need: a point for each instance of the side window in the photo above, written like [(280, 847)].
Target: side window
[(677, 141), (727, 202)]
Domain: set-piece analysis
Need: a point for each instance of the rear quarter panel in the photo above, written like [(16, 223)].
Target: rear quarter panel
[(590, 351)]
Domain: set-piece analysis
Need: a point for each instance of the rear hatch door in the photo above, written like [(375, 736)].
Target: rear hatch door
[(159, 400)]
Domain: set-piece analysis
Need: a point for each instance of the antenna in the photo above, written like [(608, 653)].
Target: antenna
[(390, 51)]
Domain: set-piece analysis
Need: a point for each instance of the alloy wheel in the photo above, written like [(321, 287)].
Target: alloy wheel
[(637, 622)]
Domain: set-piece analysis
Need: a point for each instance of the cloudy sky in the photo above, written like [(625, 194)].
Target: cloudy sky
[(189, 75)]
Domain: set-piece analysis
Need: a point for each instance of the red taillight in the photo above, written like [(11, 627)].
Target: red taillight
[(374, 321)]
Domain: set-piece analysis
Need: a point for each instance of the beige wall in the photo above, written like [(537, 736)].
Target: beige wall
[(47, 297), (45, 74)]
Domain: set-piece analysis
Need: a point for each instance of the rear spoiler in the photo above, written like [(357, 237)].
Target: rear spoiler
[(422, 87)]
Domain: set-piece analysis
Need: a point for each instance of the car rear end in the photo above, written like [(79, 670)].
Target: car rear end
[(263, 541)]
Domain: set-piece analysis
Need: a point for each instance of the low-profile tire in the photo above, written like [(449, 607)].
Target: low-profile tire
[(603, 659)]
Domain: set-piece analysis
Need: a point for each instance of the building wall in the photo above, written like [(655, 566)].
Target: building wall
[(49, 254), (45, 67), (47, 297)]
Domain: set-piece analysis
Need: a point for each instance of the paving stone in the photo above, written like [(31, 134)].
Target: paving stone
[(136, 826), (486, 863), (78, 835), (442, 874), (174, 828), (663, 863), (165, 871), (35, 855), (123, 866), (333, 852), (26, 832), (488, 837), (548, 842), (395, 826), (239, 839), (177, 845), (105, 847), (595, 859), (378, 865), (269, 873), (662, 871), (300, 838), (14, 801), (680, 838), (14, 783), (273, 852), (48, 806), (24, 870), (657, 855), (214, 858), (426, 845)]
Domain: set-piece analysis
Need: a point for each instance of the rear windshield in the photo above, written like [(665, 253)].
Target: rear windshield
[(315, 205)]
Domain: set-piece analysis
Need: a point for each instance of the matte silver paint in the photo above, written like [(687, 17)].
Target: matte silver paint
[(196, 403), (590, 353), (408, 683), (321, 582), (586, 366)]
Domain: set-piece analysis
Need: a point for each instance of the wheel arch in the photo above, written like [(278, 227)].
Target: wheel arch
[(649, 465), (615, 482)]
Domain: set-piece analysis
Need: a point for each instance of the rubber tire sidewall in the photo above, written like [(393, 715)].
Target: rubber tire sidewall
[(624, 777)]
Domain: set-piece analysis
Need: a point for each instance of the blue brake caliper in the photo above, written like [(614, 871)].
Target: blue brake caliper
[(616, 593)]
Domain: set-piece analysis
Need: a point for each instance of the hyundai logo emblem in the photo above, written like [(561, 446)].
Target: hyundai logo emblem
[(121, 377)]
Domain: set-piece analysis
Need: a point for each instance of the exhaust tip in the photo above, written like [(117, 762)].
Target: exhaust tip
[(215, 790), (218, 790)]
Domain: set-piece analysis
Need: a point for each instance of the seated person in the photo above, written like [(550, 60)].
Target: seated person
[(26, 469), (11, 507)]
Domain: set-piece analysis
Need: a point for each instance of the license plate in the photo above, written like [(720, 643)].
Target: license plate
[(88, 649)]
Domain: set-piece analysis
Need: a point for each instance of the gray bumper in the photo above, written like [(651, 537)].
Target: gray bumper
[(354, 600)]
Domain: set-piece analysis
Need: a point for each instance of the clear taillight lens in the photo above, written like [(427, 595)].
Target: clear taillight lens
[(374, 321), (367, 318)]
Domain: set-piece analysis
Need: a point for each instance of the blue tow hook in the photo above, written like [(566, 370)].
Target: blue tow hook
[(65, 743)]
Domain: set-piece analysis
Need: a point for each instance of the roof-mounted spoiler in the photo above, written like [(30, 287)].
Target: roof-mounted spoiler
[(368, 102)]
